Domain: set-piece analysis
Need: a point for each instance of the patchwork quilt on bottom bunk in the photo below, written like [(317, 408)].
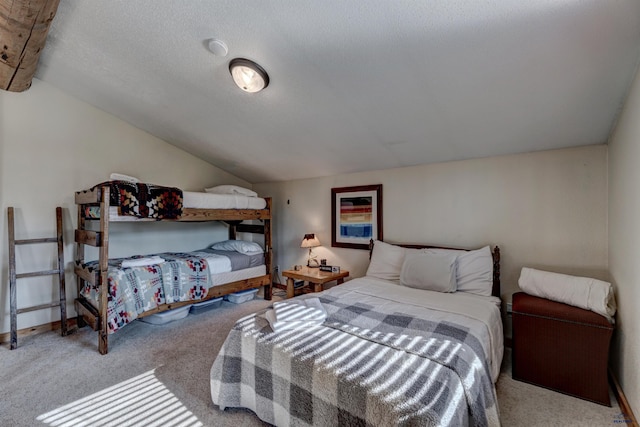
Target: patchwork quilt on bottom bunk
[(134, 290), (367, 365)]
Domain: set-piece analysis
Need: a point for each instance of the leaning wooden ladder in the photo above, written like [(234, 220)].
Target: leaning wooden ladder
[(13, 276)]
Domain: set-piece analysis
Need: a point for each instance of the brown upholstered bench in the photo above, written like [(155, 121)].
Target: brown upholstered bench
[(561, 347)]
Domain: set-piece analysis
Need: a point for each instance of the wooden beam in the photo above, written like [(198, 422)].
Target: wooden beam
[(24, 25), (86, 274), (89, 237), (196, 214), (88, 196), (250, 228)]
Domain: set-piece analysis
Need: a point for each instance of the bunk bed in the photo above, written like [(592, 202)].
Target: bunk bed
[(112, 201)]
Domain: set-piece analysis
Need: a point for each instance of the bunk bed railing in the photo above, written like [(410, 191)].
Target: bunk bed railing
[(195, 214), (94, 196)]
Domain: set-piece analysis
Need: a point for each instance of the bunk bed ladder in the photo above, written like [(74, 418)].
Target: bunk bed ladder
[(13, 276), (97, 317)]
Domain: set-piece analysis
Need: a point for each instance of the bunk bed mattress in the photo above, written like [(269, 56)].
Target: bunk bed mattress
[(153, 202), (238, 261), (182, 277), (237, 275), (194, 199)]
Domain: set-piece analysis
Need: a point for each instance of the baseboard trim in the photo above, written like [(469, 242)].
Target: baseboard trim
[(5, 338), (629, 418)]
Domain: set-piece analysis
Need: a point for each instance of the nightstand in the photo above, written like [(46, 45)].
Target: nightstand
[(314, 277)]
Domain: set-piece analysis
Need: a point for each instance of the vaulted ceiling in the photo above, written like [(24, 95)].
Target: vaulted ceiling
[(354, 85)]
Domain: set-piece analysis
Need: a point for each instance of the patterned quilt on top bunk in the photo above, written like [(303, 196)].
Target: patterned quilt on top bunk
[(145, 200), (134, 290)]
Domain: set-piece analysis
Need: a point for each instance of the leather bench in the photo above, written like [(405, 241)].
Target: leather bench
[(561, 347)]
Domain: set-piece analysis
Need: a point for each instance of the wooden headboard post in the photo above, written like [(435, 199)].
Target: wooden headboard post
[(495, 253), (496, 272), (232, 229)]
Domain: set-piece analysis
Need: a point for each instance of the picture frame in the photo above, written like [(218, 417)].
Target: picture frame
[(356, 216)]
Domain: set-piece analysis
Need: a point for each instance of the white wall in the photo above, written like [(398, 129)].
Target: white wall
[(52, 145), (546, 210), (624, 244)]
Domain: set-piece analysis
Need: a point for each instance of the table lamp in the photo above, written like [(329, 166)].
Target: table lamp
[(311, 241)]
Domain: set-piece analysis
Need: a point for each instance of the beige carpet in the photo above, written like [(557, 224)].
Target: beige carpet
[(523, 404), (159, 376)]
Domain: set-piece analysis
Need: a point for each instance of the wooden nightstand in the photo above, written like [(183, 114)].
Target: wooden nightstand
[(313, 276)]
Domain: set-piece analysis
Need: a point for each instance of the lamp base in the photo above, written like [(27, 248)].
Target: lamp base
[(313, 264)]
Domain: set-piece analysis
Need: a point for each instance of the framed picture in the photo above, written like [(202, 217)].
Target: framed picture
[(356, 216)]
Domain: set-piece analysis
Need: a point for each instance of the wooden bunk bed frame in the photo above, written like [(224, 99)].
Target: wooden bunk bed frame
[(100, 196)]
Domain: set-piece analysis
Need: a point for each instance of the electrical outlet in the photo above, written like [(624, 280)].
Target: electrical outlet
[(509, 308), (277, 268)]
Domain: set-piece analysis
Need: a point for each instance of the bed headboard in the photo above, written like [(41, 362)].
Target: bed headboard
[(495, 253)]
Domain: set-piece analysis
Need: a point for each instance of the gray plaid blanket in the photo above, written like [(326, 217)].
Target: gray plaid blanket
[(369, 364)]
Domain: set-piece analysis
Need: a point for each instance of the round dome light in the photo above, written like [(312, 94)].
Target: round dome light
[(248, 75)]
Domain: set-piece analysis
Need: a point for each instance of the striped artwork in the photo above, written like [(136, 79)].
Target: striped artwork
[(356, 216)]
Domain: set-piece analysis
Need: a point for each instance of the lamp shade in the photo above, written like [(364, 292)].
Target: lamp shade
[(248, 75), (310, 241)]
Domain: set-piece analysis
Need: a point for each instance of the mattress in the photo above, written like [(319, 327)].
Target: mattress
[(217, 279), (385, 355), (238, 260), (194, 200), (234, 276), (181, 277)]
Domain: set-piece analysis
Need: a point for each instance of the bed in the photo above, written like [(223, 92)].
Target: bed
[(118, 201), (388, 352)]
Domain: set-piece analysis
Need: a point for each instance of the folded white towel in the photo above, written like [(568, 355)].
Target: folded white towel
[(141, 262), (296, 314), (583, 292)]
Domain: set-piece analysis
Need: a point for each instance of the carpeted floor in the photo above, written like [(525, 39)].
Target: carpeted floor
[(159, 376)]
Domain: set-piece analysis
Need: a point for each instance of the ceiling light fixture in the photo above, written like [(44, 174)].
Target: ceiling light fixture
[(248, 75)]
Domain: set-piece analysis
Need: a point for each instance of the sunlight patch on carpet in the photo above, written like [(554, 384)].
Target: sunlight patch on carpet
[(140, 401)]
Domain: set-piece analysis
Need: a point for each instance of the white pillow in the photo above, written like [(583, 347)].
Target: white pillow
[(475, 269), (386, 261), (121, 177), (429, 271), (241, 246), (231, 189)]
